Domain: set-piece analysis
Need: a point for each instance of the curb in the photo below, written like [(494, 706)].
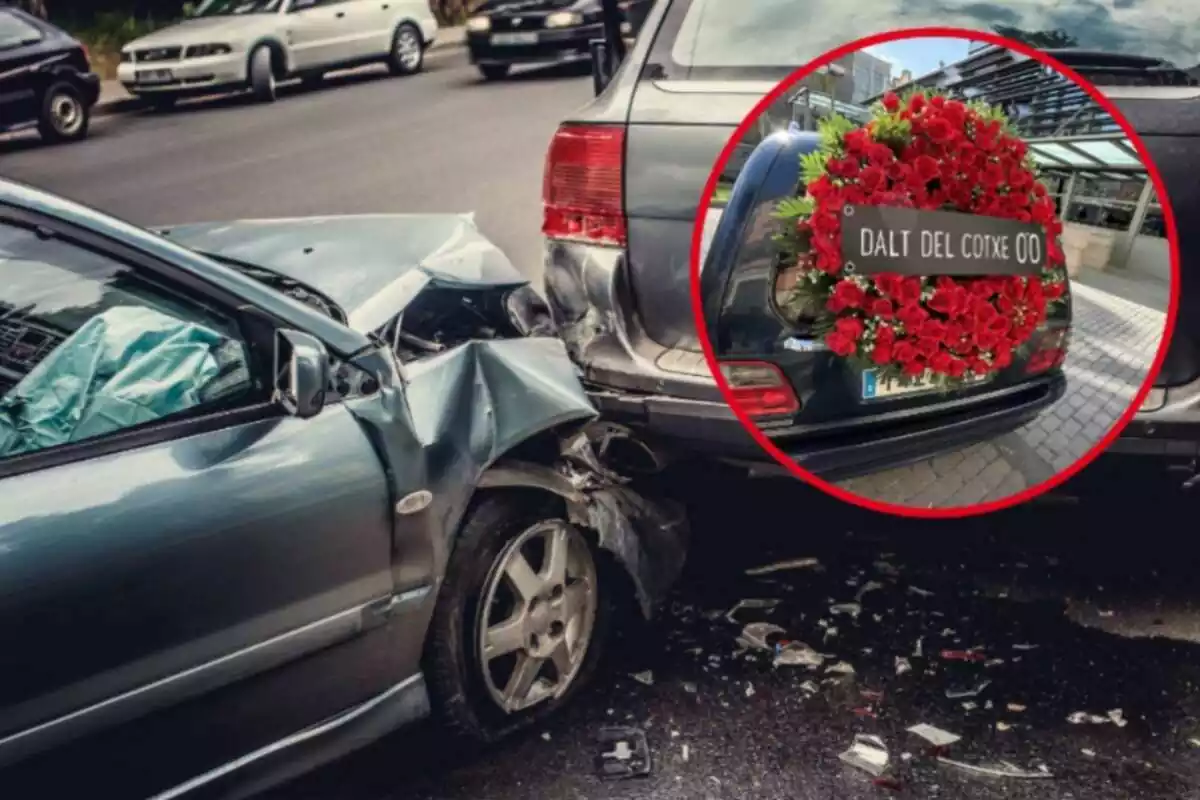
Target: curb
[(128, 104)]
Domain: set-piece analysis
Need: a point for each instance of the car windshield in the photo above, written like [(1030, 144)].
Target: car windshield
[(708, 39), (229, 8)]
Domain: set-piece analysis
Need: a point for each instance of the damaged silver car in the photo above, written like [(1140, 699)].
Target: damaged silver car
[(271, 489)]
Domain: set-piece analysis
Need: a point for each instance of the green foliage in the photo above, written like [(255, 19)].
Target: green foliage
[(812, 165), (794, 208), (831, 129)]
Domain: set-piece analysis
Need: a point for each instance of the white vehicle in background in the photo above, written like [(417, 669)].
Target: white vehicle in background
[(231, 45)]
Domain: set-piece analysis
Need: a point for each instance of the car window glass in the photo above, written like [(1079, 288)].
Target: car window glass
[(88, 348), (15, 31), (763, 39), (229, 8)]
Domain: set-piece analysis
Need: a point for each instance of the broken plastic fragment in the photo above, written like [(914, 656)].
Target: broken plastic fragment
[(970, 705), (959, 692), (917, 590), (840, 668), (797, 654), (851, 609), (994, 662), (545, 737), (754, 636), (1088, 753), (686, 752), (1003, 726), (749, 690), (1001, 769), (830, 632), (934, 735), (778, 566), (869, 586), (963, 655), (1015, 707), (1025, 647), (645, 678), (1118, 718), (1107, 614), (868, 753), (919, 648), (1082, 717), (809, 687), (902, 665), (750, 603), (689, 687)]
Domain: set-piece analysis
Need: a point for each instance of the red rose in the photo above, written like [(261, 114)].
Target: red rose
[(1039, 189), (882, 353), (944, 302), (937, 101), (1042, 211), (940, 362), (881, 308), (856, 142), (955, 112), (840, 344), (903, 350), (979, 366), (885, 334), (913, 368), (939, 130), (957, 368), (888, 284), (926, 168), (844, 167), (850, 327), (928, 346), (933, 329), (899, 172), (891, 101), (992, 175), (910, 291), (912, 315), (872, 178), (916, 103), (846, 294), (880, 154), (1055, 290), (821, 188), (1003, 355)]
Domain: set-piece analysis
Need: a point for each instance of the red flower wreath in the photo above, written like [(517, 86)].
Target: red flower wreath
[(925, 152)]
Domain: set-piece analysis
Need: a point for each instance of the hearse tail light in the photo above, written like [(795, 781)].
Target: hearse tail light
[(582, 189), (1051, 351), (760, 389)]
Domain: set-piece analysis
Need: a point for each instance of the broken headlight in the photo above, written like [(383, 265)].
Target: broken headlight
[(528, 312)]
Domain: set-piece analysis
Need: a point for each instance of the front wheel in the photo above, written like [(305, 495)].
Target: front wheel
[(262, 75), (520, 621), (494, 72), (407, 55), (64, 116)]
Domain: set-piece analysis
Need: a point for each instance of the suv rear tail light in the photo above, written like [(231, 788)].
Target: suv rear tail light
[(760, 389), (582, 190), (1051, 352)]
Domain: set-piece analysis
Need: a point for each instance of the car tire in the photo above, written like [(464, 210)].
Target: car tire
[(407, 55), (494, 72), (465, 685), (64, 116), (262, 75)]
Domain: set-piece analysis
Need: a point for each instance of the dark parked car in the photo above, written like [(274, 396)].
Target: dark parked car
[(273, 488), (625, 175), (505, 33), (45, 79)]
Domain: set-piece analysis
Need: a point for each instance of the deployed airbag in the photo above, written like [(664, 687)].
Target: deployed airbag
[(126, 366)]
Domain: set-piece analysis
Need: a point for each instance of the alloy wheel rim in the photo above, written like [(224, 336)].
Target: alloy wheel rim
[(66, 113), (408, 50), (537, 615)]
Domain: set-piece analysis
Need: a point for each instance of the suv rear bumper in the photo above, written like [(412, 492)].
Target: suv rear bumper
[(1168, 426), (638, 382)]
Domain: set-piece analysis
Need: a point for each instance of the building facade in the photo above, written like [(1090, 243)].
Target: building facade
[(870, 75)]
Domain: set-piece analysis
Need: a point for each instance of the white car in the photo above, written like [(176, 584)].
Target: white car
[(253, 44)]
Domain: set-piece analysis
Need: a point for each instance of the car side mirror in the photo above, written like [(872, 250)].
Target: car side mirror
[(301, 373)]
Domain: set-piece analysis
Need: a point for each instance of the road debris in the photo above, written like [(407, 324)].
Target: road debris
[(1025, 646), (919, 592), (959, 692), (751, 603), (830, 632), (690, 687), (970, 705), (754, 636), (623, 753), (1088, 753), (545, 737), (868, 753), (797, 654), (646, 677), (749, 690), (850, 609), (903, 665), (1085, 718), (1000, 769), (1003, 726), (840, 668), (686, 753), (779, 566), (1118, 717), (1016, 707), (919, 648), (934, 735), (1107, 614), (886, 568), (963, 655), (810, 688), (994, 662), (869, 586)]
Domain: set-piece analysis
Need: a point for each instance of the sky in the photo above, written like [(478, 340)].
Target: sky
[(920, 55)]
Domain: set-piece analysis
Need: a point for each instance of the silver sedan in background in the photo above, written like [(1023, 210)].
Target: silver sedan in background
[(231, 45)]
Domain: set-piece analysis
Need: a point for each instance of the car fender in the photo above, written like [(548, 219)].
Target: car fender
[(278, 50)]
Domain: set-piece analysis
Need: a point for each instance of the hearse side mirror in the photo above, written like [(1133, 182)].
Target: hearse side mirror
[(608, 53), (301, 373)]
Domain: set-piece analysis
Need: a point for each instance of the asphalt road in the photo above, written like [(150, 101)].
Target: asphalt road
[(1067, 608), (442, 141)]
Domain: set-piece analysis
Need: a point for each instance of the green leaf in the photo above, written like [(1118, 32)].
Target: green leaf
[(812, 165), (795, 208), (831, 130)]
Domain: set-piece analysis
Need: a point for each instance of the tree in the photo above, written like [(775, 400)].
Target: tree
[(1043, 40)]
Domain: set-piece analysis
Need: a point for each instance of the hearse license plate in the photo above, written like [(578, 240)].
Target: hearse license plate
[(506, 39), (149, 76), (876, 388)]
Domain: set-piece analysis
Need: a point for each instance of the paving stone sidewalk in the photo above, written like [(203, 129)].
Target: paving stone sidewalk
[(1112, 348)]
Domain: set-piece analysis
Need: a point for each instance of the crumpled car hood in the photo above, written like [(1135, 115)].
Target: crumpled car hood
[(371, 266)]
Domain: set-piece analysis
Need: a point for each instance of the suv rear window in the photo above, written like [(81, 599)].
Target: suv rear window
[(767, 39), (15, 31)]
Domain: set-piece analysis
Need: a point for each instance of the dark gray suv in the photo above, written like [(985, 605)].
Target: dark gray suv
[(625, 175)]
